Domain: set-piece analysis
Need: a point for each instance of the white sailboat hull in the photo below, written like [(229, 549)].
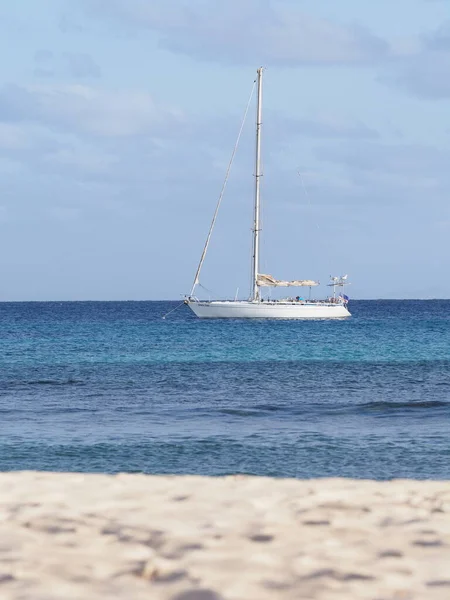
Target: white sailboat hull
[(267, 310)]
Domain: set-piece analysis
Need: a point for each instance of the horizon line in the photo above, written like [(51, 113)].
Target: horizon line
[(177, 300)]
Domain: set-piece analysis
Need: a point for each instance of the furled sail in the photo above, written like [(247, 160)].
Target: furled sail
[(269, 281)]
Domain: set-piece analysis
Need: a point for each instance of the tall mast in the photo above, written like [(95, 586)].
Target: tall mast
[(256, 223)]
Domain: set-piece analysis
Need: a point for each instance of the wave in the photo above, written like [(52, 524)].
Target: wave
[(414, 404), (329, 409), (54, 410), (69, 381), (38, 382)]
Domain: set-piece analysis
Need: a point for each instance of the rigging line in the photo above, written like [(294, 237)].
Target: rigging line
[(205, 288), (202, 259), (306, 193), (173, 310)]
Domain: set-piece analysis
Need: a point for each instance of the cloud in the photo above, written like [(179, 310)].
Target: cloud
[(42, 150), (77, 65), (425, 72), (12, 137), (440, 39), (82, 65), (251, 32), (86, 109), (43, 56), (394, 173), (78, 158), (394, 158), (44, 63), (122, 139), (68, 24), (425, 77), (329, 126), (129, 144), (86, 133)]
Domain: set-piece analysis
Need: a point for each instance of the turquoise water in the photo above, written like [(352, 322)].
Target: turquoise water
[(111, 386)]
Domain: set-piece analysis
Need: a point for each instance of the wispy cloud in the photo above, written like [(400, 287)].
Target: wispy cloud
[(329, 125), (72, 65), (425, 73), (82, 65), (128, 136), (87, 109), (392, 173), (246, 32), (12, 137)]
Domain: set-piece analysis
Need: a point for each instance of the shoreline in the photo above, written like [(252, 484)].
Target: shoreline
[(74, 535)]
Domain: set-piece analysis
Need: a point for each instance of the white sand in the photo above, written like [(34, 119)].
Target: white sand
[(83, 537)]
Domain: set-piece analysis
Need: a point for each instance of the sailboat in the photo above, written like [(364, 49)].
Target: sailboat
[(257, 307)]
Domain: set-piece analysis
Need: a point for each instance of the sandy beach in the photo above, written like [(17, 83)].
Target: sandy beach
[(193, 538)]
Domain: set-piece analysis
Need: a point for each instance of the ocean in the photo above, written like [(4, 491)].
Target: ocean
[(113, 387)]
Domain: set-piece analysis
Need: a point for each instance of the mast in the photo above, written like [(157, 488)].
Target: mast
[(256, 223)]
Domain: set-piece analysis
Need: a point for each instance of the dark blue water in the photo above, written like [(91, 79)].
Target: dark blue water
[(110, 386)]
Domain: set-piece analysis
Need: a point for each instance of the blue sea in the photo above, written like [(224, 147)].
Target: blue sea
[(111, 386)]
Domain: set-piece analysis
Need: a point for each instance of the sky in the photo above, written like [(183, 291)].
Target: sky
[(118, 119)]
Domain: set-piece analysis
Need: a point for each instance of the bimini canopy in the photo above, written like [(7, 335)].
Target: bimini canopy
[(269, 281)]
